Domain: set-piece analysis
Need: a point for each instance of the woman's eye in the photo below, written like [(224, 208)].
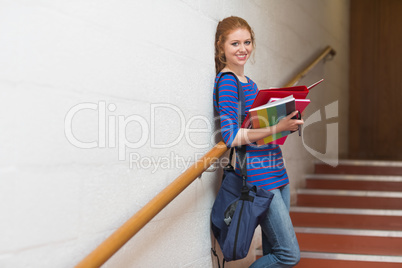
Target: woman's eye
[(247, 42), (235, 44)]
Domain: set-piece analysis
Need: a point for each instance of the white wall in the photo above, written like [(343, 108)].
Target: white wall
[(118, 59)]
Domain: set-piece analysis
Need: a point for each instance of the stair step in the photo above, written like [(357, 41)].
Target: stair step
[(352, 241), (347, 218), (350, 215), (354, 182), (361, 167), (349, 199), (336, 260), (310, 259)]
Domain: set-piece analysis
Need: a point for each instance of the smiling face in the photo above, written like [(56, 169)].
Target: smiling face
[(237, 48)]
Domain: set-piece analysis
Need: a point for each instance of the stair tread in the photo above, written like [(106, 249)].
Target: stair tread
[(344, 256), (351, 232), (309, 263), (357, 177), (347, 218), (355, 211), (348, 243), (363, 193), (361, 167), (356, 162), (336, 260), (350, 257)]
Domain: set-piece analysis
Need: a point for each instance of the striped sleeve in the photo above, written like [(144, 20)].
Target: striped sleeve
[(227, 107)]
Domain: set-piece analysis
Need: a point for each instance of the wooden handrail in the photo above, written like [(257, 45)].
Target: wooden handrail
[(327, 51), (116, 240)]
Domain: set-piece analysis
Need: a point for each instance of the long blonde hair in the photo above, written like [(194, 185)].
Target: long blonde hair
[(223, 29)]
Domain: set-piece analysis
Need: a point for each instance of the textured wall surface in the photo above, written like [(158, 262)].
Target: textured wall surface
[(104, 103)]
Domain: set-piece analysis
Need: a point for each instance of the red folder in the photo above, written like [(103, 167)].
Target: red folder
[(264, 95)]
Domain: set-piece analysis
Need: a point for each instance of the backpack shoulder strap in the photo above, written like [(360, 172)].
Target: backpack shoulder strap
[(241, 150), (240, 93)]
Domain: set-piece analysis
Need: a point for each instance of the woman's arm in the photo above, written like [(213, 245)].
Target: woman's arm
[(228, 110), (246, 136)]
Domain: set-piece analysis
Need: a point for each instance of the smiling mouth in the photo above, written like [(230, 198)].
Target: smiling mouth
[(242, 57)]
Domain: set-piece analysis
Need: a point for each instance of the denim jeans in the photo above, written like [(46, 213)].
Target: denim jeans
[(279, 242)]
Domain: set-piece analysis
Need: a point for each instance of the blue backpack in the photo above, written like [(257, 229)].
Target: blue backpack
[(239, 206)]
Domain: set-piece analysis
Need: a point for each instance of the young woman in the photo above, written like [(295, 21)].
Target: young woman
[(234, 43)]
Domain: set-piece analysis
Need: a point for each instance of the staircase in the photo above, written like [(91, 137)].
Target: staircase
[(351, 216)]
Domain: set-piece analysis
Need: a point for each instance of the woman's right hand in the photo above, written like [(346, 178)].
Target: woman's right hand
[(288, 123), (247, 136)]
